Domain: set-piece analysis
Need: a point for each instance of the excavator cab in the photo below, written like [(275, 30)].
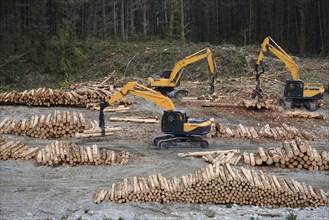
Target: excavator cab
[(166, 74), (179, 129), (294, 88)]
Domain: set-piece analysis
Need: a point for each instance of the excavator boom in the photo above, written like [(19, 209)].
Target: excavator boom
[(144, 92), (281, 54)]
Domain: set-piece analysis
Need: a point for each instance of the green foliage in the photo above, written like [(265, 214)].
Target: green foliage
[(105, 218), (229, 205), (211, 214), (291, 215), (64, 217)]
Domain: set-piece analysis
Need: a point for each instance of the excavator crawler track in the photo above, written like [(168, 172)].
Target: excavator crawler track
[(172, 140)]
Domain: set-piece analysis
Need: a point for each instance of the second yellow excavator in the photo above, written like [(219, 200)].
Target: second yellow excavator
[(170, 79), (175, 124), (296, 92)]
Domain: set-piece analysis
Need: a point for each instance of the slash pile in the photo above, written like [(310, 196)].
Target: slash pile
[(216, 184), (54, 125), (48, 97), (292, 154)]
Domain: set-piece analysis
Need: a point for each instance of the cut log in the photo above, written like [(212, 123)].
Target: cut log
[(202, 153)]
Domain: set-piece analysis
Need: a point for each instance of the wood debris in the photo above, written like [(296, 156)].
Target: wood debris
[(216, 184), (292, 154)]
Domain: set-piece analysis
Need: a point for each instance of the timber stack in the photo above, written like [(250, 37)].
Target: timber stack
[(53, 97), (292, 154), (216, 184), (16, 150), (284, 132), (64, 153), (54, 125)]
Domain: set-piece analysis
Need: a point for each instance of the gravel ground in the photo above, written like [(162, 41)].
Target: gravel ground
[(28, 191)]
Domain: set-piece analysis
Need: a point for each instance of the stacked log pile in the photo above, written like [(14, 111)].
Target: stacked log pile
[(216, 185), (1, 139), (292, 154), (284, 132), (50, 97), (54, 125), (16, 150), (62, 153)]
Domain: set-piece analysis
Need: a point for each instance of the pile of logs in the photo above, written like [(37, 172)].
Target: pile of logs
[(257, 103), (285, 132), (48, 97), (54, 125), (216, 184), (62, 153), (1, 139), (220, 157), (293, 154), (16, 150)]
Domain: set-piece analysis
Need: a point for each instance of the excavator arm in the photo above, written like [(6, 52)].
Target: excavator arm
[(176, 72), (202, 54), (138, 90), (269, 44)]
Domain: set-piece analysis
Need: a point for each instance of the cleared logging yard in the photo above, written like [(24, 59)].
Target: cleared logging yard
[(279, 168)]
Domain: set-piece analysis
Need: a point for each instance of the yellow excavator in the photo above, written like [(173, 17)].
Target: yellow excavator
[(175, 124), (170, 79), (296, 92)]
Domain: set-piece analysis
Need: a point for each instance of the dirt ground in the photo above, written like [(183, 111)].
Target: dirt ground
[(36, 192)]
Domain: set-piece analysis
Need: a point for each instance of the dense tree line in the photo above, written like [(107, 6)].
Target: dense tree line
[(300, 26)]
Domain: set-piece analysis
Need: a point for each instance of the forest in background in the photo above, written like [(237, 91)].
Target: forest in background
[(54, 36)]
